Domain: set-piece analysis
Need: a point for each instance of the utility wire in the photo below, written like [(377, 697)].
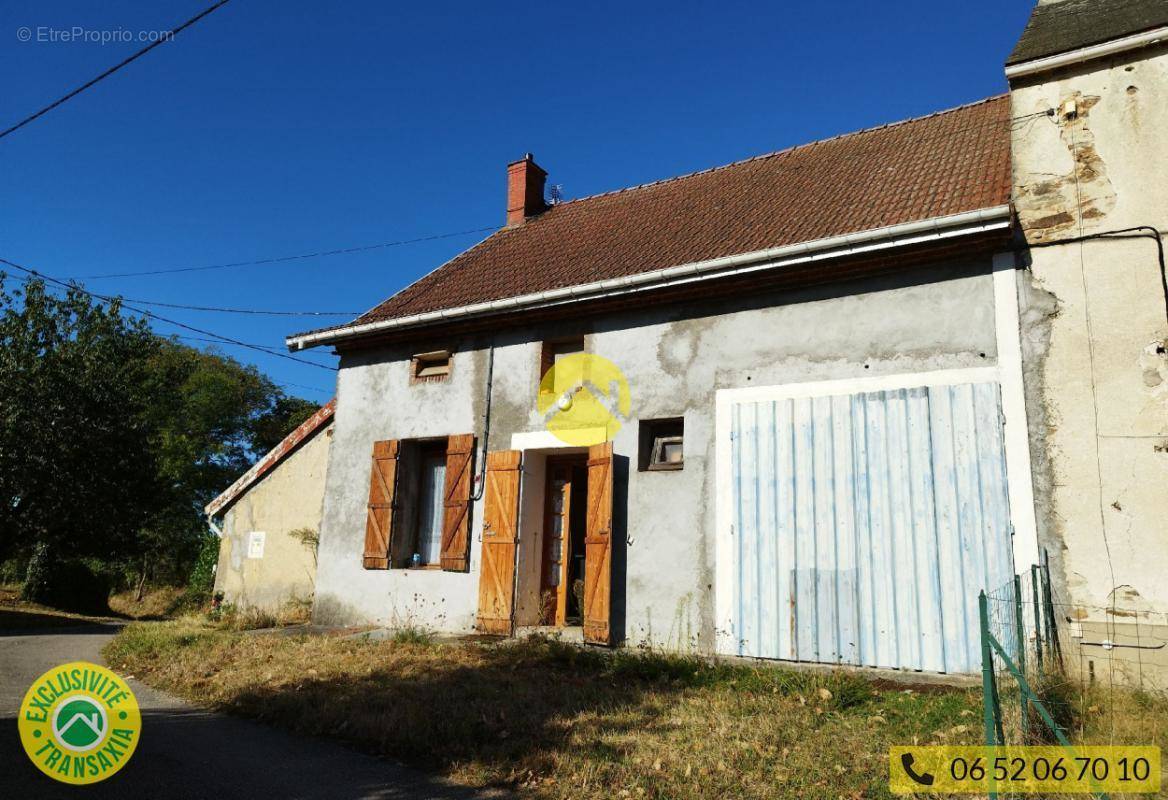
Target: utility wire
[(282, 259), (162, 39), (365, 248), (167, 320), (245, 310), (26, 279), (397, 243), (286, 385)]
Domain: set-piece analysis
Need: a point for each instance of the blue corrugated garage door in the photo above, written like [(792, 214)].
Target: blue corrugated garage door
[(864, 525)]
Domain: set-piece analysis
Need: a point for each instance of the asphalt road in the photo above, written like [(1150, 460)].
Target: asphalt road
[(188, 753)]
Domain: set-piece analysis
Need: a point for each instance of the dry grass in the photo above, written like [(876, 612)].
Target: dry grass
[(556, 721), (157, 602)]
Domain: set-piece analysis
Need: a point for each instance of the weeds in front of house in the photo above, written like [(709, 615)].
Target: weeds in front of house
[(557, 720), (230, 617), (412, 634)]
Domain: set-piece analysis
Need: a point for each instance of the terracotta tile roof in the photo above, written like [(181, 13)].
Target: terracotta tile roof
[(305, 431), (946, 163)]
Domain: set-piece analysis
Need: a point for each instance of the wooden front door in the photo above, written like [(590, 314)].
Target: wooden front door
[(557, 545), (598, 546), (500, 525)]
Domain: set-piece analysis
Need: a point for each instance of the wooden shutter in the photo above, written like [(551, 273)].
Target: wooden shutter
[(382, 494), (500, 525), (598, 546), (456, 516)]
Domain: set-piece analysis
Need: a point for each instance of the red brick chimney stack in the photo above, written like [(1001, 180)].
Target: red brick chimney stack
[(525, 180)]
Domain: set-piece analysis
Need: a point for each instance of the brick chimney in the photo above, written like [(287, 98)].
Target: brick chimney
[(525, 180)]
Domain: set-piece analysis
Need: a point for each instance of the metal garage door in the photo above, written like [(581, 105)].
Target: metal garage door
[(864, 525)]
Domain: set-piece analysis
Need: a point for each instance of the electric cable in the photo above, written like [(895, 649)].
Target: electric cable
[(164, 37), (167, 320)]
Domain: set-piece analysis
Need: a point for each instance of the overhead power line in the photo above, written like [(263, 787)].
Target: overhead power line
[(286, 385), (162, 39), (281, 259), (218, 336), (245, 310)]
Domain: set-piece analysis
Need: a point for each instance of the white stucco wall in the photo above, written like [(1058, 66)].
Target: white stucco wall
[(1095, 325), (675, 359)]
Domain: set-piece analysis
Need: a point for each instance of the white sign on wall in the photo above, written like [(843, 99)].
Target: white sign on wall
[(255, 544)]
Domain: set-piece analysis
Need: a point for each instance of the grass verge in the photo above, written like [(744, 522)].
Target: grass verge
[(553, 720)]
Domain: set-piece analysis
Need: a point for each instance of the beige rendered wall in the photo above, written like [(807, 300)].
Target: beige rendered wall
[(286, 499), (1094, 330)]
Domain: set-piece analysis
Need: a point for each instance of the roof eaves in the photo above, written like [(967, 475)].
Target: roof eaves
[(914, 232), (303, 432), (1108, 48)]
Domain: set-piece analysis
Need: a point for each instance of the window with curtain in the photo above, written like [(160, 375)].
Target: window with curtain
[(433, 483)]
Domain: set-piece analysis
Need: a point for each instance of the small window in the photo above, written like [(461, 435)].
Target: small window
[(552, 352), (427, 367), (661, 444)]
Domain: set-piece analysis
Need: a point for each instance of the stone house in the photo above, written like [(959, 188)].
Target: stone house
[(268, 519), (1089, 93), (778, 408)]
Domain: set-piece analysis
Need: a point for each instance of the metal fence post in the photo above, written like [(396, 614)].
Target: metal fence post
[(1037, 617), (988, 689), (1052, 632), (1020, 635)]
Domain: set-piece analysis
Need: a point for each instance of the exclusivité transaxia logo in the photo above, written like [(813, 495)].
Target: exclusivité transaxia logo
[(79, 723)]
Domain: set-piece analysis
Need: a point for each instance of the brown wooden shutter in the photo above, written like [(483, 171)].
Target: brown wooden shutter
[(382, 494), (500, 526), (598, 546), (456, 517)]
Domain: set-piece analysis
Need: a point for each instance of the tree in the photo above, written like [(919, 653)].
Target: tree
[(113, 439), (74, 428), (204, 410), (269, 428)]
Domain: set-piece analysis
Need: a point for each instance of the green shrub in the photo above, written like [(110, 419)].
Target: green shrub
[(65, 583), (412, 634), (13, 571), (202, 579)]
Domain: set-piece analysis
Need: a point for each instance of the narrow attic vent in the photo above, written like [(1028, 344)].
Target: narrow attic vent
[(427, 367)]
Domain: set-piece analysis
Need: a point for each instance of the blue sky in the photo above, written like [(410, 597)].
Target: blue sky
[(272, 129)]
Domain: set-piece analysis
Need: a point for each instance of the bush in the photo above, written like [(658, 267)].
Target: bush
[(202, 574), (65, 583), (12, 571), (229, 617), (412, 634)]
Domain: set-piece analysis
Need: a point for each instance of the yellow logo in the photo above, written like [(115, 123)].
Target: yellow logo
[(79, 723), (583, 399)]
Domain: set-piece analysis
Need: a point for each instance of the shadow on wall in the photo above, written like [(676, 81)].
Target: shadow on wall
[(620, 545)]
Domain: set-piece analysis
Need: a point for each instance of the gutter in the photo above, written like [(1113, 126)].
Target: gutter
[(1113, 47), (894, 236)]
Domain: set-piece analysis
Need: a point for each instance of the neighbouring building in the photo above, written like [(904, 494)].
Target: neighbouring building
[(1089, 96), (817, 445), (269, 520)]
